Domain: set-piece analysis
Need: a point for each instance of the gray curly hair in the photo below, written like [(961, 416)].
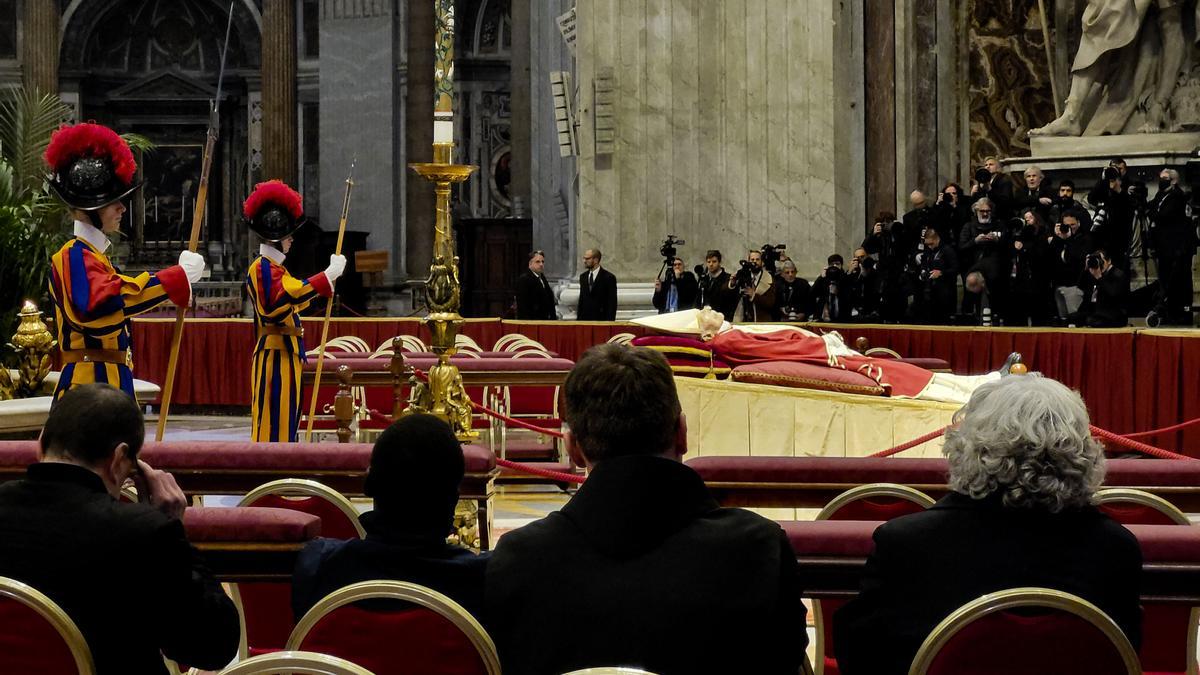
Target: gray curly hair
[(1027, 438)]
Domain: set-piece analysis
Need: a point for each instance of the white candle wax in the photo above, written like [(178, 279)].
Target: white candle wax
[(443, 131)]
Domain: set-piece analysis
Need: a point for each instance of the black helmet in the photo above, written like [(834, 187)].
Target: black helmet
[(274, 211), (91, 166)]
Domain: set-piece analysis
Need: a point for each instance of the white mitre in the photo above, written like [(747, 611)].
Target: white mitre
[(703, 323)]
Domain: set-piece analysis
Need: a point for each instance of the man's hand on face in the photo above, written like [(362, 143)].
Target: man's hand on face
[(159, 489), (877, 229)]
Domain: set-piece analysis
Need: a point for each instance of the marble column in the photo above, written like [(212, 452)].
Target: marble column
[(916, 98), (39, 52), (418, 135), (279, 89), (521, 140), (879, 42), (362, 118)]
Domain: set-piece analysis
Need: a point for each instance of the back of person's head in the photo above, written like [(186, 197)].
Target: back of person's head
[(1026, 438), (416, 467), (622, 401), (89, 422)]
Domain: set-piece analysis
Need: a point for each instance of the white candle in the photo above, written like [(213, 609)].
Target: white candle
[(443, 130)]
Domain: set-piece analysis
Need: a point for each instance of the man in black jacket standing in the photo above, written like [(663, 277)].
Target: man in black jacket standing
[(597, 290), (661, 577), (124, 573), (1112, 227), (1174, 239), (714, 288), (535, 298)]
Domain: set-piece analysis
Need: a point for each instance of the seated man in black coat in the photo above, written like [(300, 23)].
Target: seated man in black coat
[(535, 298), (416, 466), (124, 573), (1023, 469), (657, 575)]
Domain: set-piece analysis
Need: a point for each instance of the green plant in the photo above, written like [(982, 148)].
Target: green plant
[(32, 222)]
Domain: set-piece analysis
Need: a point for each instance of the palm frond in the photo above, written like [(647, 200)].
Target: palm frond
[(26, 121)]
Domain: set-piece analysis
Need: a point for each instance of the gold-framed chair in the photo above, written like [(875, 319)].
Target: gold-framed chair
[(297, 663), (931, 660), (61, 625), (267, 621), (1161, 623), (874, 501), (421, 597), (611, 670)]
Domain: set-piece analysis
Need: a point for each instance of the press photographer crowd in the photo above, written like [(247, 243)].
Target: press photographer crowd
[(996, 254)]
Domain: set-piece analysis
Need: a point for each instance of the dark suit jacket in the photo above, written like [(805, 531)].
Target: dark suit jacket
[(658, 576), (687, 289), (535, 298), (124, 573), (597, 302), (928, 564), (390, 551), (716, 293)]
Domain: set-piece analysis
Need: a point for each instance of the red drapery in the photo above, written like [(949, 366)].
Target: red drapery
[(1132, 380)]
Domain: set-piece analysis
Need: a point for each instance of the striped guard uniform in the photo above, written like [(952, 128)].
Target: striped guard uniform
[(275, 396), (92, 307)]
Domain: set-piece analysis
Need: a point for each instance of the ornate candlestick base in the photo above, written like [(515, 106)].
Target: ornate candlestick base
[(444, 394)]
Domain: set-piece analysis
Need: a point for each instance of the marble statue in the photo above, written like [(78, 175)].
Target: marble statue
[(1126, 71)]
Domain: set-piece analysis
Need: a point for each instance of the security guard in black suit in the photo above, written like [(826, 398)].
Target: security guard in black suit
[(535, 298)]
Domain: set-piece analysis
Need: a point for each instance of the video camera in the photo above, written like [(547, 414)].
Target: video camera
[(744, 277), (770, 256), (669, 253)]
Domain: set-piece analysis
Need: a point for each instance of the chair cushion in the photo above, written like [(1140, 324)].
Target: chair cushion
[(36, 648), (807, 376), (250, 524)]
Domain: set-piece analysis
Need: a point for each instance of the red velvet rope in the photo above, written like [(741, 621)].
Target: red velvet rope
[(1163, 430), (514, 421), (1136, 445), (911, 444), (545, 473)]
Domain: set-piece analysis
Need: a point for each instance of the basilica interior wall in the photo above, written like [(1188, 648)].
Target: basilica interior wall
[(732, 125)]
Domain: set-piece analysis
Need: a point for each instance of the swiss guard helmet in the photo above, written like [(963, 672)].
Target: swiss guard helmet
[(90, 166), (274, 211)]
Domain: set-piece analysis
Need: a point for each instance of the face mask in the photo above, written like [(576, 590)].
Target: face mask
[(1164, 183)]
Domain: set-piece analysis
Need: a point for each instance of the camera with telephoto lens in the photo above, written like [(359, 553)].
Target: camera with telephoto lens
[(1064, 228), (1111, 173), (983, 177), (1094, 261), (1099, 220), (744, 277)]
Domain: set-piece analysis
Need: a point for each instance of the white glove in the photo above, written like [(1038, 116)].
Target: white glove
[(337, 265), (192, 264)]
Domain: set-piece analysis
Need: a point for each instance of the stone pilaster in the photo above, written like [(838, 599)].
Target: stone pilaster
[(39, 53), (418, 136), (279, 90), (879, 41), (522, 151)]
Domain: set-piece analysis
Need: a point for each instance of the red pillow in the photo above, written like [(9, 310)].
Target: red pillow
[(807, 376)]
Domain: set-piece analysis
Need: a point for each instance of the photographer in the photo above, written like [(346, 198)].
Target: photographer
[(1069, 247), (1066, 202), (714, 286), (1029, 276), (950, 212), (992, 183), (793, 294), (1035, 194), (676, 289), (865, 285), (753, 282), (831, 302), (1173, 238), (983, 247), (893, 245), (1105, 294), (1112, 225), (937, 281), (920, 216)]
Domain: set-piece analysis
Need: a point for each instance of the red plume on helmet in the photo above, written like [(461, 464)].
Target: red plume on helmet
[(91, 166), (273, 210)]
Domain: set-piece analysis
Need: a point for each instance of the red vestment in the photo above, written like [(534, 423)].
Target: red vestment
[(738, 348)]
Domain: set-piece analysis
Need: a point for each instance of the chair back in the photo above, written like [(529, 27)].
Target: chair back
[(296, 663), (48, 641), (267, 606), (1168, 630), (1033, 631), (432, 632), (610, 670), (876, 501)]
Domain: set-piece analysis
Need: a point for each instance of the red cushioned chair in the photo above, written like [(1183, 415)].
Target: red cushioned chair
[(266, 607), (1032, 631), (428, 634), (48, 641), (1168, 630), (875, 502)]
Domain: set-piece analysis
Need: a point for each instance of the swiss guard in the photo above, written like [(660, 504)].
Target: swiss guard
[(274, 212), (92, 170)]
